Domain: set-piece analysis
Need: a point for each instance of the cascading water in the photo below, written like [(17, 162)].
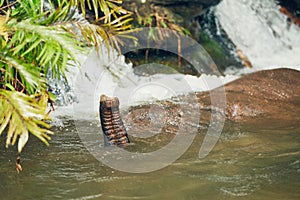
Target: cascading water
[(261, 32), (257, 28), (108, 73)]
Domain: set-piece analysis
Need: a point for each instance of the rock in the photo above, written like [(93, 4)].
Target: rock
[(291, 17), (178, 2), (187, 9), (293, 6), (179, 12)]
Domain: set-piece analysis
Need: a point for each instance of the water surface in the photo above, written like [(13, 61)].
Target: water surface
[(247, 163)]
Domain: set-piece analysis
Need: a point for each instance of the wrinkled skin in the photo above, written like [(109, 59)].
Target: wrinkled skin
[(270, 98), (265, 94), (262, 97)]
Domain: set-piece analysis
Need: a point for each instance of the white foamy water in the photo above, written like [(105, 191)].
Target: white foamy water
[(255, 27), (111, 75), (261, 31)]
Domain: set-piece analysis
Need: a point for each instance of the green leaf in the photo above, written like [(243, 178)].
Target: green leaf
[(34, 40), (27, 71), (24, 114), (22, 141), (9, 86)]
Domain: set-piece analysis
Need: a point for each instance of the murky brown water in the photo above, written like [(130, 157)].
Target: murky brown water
[(246, 163)]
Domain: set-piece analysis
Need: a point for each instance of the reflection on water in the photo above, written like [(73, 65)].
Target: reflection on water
[(247, 163)]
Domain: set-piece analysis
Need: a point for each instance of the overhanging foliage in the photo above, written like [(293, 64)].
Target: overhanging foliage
[(38, 36)]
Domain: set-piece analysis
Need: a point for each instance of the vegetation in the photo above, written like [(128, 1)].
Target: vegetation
[(38, 36), (162, 23), (42, 37)]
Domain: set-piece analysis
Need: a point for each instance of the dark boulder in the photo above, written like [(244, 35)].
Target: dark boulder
[(182, 11), (292, 5), (176, 2)]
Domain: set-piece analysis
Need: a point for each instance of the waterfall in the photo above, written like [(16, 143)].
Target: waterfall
[(107, 73), (261, 32), (257, 28)]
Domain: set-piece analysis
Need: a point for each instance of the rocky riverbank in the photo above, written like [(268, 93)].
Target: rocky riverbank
[(182, 16)]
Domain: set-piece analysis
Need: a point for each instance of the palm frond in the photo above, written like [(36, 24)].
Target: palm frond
[(107, 7), (12, 68), (48, 47), (109, 34), (109, 28), (21, 114), (38, 36)]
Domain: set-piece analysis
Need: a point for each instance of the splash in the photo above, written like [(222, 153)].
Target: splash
[(112, 74), (261, 32)]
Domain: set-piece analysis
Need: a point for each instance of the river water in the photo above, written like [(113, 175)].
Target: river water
[(261, 31), (247, 163)]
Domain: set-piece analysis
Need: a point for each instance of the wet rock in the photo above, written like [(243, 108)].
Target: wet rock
[(292, 6), (181, 14), (216, 41), (186, 9), (291, 17)]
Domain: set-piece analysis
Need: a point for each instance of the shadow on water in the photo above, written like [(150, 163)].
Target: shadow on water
[(248, 162)]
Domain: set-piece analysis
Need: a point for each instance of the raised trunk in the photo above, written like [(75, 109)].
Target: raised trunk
[(112, 125)]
